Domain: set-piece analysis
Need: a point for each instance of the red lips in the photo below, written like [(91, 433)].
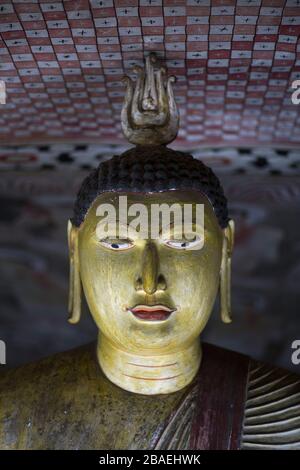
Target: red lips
[(151, 312)]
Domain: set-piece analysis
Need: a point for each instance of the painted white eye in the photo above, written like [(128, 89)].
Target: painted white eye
[(117, 245), (185, 244)]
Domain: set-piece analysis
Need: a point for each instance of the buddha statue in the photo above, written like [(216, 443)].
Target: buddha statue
[(148, 382)]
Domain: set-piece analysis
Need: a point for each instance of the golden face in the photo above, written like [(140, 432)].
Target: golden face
[(151, 294)]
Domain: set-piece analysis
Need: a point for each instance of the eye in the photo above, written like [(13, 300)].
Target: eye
[(117, 245), (184, 244)]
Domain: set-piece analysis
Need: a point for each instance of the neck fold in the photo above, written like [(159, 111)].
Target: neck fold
[(148, 373)]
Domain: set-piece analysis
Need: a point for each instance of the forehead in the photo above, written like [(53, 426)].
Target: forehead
[(170, 197), (165, 197)]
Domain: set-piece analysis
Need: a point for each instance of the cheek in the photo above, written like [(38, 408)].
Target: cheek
[(193, 279), (107, 279)]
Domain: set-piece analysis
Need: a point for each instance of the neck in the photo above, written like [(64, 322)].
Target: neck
[(147, 373)]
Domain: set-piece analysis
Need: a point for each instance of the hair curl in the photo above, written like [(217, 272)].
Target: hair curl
[(151, 170)]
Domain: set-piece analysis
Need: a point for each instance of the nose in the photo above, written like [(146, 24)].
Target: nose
[(150, 268), (150, 281)]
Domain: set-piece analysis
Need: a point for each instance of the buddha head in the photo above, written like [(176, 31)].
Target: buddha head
[(150, 296)]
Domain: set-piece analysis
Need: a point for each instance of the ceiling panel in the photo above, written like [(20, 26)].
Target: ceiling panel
[(62, 64)]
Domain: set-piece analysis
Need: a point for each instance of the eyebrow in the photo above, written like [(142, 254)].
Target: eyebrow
[(171, 225)]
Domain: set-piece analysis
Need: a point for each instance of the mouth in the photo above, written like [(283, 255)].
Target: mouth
[(151, 312)]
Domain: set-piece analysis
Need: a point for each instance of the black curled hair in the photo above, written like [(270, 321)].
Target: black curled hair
[(151, 170)]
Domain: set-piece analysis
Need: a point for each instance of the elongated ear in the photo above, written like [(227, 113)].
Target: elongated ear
[(74, 307), (225, 273)]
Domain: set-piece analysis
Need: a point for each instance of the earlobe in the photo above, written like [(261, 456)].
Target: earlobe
[(229, 232), (74, 306), (225, 273)]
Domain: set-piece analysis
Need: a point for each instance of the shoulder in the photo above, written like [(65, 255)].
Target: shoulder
[(34, 394), (66, 402), (272, 409), (57, 367)]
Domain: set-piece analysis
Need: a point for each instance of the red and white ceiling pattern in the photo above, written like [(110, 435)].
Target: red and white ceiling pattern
[(62, 62)]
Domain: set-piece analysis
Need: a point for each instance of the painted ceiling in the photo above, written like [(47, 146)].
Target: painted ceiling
[(62, 64)]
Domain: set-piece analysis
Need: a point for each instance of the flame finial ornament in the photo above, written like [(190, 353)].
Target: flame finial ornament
[(149, 115)]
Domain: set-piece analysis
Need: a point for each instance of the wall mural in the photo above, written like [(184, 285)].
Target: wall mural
[(255, 160)]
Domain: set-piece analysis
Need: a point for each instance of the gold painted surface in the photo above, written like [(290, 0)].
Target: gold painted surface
[(66, 402), (143, 356)]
